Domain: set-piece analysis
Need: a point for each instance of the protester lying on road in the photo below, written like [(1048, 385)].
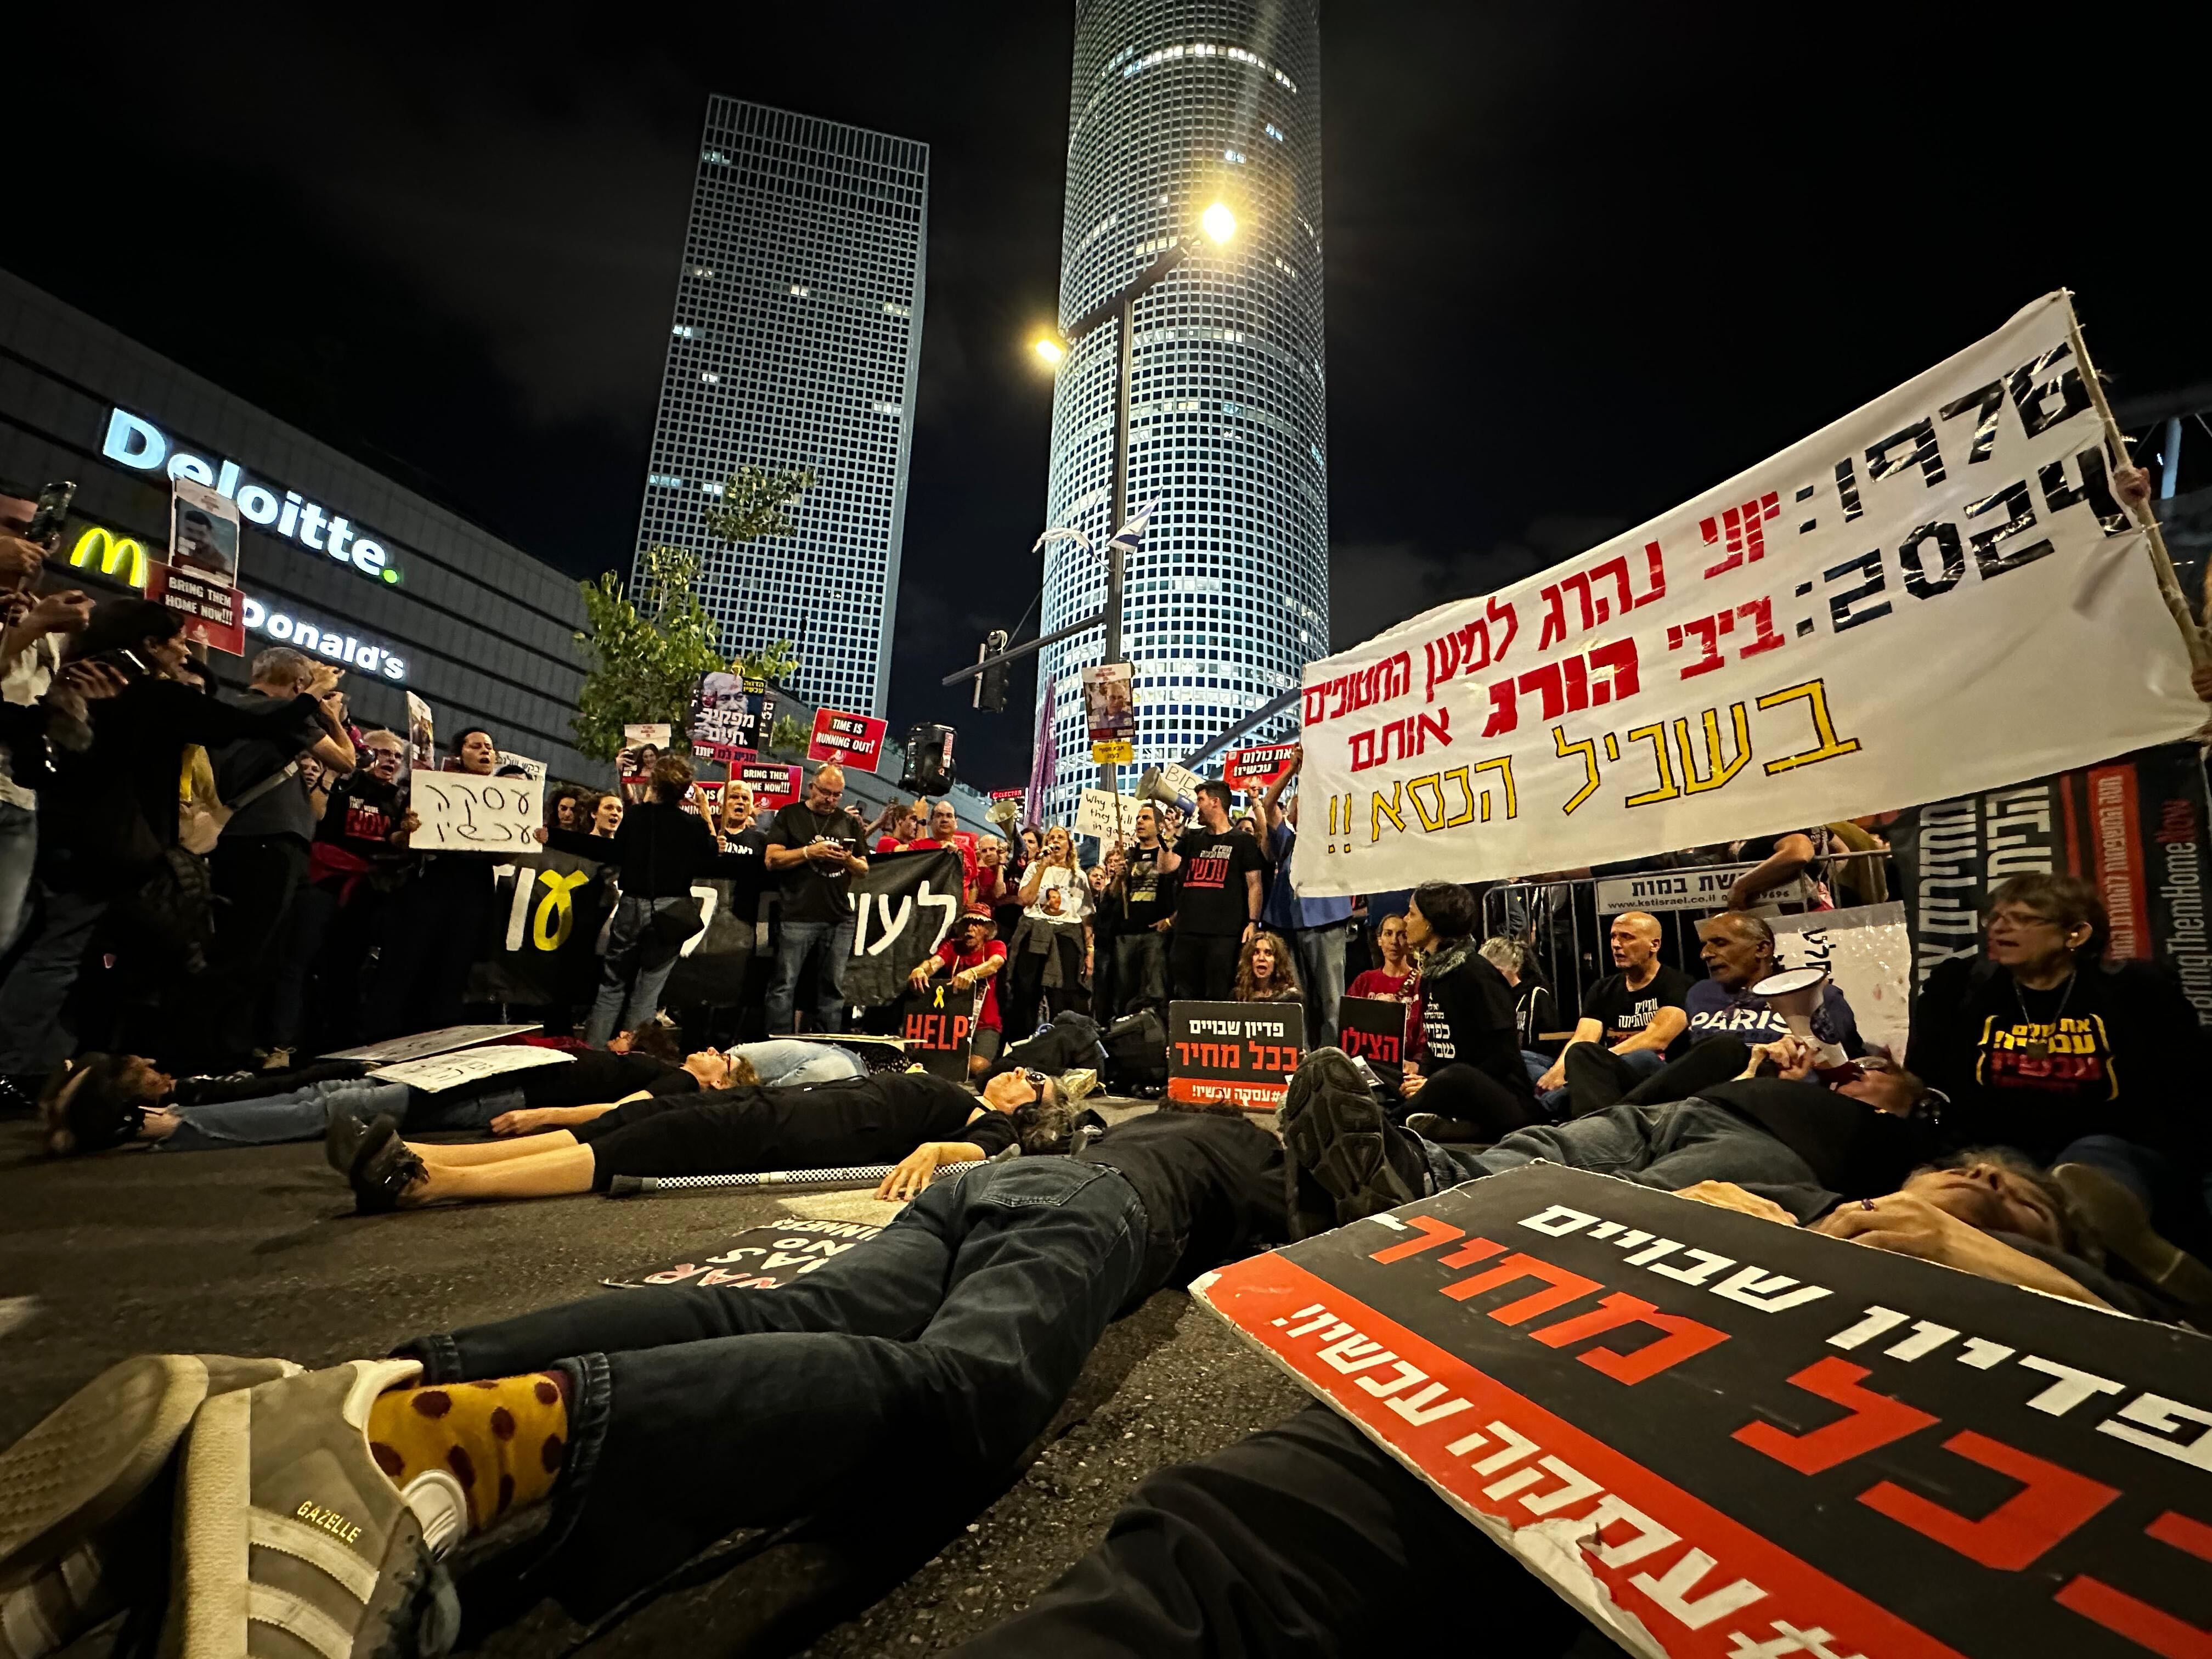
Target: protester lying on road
[(1803, 1149), (876, 1119), (647, 1423)]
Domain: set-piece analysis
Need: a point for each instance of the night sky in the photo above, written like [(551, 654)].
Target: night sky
[(1582, 263)]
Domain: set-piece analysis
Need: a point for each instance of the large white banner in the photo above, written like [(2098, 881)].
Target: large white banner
[(1935, 595)]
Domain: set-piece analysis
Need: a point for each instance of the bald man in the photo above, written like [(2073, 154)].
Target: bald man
[(1629, 1016), (814, 850)]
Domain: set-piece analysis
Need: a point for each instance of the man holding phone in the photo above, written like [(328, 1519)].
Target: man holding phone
[(814, 845)]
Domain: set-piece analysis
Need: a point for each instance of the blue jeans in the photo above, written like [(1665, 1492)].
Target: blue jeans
[(796, 942), (636, 968), (788, 1063), (33, 1039), (19, 852), (304, 1113), (944, 1344), (1320, 971)]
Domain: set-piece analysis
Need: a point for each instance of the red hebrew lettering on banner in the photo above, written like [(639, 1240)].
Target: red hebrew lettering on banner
[(1808, 615)]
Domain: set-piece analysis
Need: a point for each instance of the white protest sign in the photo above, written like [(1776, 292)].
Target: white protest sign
[(1868, 954), (536, 768), (460, 811), (1936, 594), (1094, 815), (1181, 778), (450, 1071)]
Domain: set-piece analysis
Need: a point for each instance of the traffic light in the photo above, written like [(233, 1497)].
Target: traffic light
[(929, 768), (991, 685)]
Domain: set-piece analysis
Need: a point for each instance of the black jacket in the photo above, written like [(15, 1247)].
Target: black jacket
[(1467, 1019)]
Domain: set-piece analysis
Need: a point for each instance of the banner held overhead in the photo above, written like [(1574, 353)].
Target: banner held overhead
[(1938, 592)]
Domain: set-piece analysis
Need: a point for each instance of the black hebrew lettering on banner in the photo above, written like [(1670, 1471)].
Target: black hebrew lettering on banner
[(903, 908), (2134, 827), (1721, 1437), (1937, 593), (1241, 1053)]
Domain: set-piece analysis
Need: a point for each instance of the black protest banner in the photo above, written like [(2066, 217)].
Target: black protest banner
[(1729, 1437), (902, 908), (760, 1258), (2134, 828), (1239, 1052), (711, 970), (543, 947), (937, 1025), (1373, 1029)]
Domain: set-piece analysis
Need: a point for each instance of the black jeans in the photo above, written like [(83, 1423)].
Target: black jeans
[(1140, 973), (946, 1342), (1596, 1078), (1202, 968), (256, 879), (1303, 1540)]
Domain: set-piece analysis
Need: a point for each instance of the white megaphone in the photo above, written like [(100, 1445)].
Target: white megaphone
[(1005, 813), (1154, 786), (1794, 993)]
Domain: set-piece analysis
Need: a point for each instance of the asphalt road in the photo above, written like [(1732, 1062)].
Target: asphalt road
[(256, 1251)]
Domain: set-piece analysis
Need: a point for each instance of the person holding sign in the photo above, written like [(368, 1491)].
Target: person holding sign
[(974, 958), (1217, 901), (814, 845)]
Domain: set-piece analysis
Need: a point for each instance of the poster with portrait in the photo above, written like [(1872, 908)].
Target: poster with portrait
[(421, 736), (731, 716), (1109, 706)]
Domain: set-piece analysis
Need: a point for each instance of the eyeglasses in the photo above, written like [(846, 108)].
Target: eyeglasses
[(1035, 1079), (2021, 919)]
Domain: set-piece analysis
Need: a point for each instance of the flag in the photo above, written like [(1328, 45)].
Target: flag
[(1044, 764)]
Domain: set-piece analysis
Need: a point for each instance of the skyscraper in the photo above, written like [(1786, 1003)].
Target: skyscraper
[(796, 341), (1177, 104)]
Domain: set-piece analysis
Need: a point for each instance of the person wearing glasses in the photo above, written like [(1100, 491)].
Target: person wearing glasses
[(2095, 1067), (879, 1118), (814, 847)]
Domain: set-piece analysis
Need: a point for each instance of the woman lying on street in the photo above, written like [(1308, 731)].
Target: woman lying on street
[(878, 1119)]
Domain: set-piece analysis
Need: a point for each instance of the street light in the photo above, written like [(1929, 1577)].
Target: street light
[(1218, 221), (1049, 350)]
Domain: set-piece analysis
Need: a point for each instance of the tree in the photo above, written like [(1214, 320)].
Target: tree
[(776, 663), (789, 736), (753, 500), (644, 657)]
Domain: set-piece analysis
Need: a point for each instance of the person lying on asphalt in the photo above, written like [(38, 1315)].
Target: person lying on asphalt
[(876, 1119), (316, 1510)]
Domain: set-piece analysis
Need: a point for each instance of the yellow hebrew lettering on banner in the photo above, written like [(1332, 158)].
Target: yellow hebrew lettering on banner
[(1664, 789), (1392, 809), (1717, 772), (1814, 692), (557, 910)]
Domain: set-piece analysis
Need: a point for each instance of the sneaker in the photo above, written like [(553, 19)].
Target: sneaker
[(1346, 1163), (285, 1520), (83, 1516), (385, 1168), (2121, 1225)]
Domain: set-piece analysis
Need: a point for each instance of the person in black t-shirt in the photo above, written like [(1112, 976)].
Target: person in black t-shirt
[(724, 1130), (815, 847), (1631, 1017), (1217, 901), (1142, 902)]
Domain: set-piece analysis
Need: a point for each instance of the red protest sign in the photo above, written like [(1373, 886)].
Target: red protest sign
[(1255, 769), (849, 739), (773, 786), (214, 613)]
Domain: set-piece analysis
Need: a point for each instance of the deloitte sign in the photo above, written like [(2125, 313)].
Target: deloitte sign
[(143, 448)]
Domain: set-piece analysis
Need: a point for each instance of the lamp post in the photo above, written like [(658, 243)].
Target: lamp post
[(1219, 224)]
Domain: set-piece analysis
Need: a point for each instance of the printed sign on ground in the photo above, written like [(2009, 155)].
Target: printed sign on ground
[(1849, 627), (1716, 1435), (760, 1258), (445, 1040), (1242, 1052), (937, 1025), (851, 740), (902, 906), (462, 813), (1373, 1029), (443, 1072)]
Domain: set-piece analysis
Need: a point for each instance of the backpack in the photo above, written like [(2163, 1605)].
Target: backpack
[(1136, 1052)]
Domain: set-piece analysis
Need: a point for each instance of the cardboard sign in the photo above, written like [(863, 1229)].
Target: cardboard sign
[(462, 813), (1255, 769), (647, 734), (1373, 1029), (1716, 1435), (443, 1041), (773, 785), (214, 615), (730, 716), (849, 739), (760, 1258), (1095, 815), (937, 1025), (1241, 1052), (441, 1072)]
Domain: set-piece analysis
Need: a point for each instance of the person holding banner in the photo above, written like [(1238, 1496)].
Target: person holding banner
[(972, 957), (1316, 927), (1471, 1079)]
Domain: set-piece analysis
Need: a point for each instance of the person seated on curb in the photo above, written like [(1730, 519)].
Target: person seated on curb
[(316, 1511), (101, 1100), (1469, 1071), (876, 1119), (1629, 1019), (974, 956)]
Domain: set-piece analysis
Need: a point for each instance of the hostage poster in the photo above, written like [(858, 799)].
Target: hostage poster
[(1869, 620)]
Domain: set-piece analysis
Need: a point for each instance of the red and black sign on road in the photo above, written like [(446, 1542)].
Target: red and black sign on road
[(1726, 1437), (1240, 1052)]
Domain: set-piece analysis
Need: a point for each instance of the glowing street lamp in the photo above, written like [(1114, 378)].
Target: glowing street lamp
[(1049, 351), (1218, 221)]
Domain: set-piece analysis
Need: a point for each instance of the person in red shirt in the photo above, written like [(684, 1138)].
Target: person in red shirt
[(975, 957), (902, 822)]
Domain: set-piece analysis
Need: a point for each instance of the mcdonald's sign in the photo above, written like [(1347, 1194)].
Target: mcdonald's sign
[(112, 553)]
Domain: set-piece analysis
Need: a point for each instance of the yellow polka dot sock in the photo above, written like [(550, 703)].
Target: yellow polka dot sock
[(503, 1440)]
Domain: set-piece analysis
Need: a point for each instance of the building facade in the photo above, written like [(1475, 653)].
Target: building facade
[(336, 559), (1177, 104), (796, 342)]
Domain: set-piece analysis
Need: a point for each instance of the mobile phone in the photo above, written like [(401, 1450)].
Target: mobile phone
[(126, 662), (45, 525)]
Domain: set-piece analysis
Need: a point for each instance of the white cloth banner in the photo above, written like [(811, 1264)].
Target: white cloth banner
[(1870, 956), (1936, 594)]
